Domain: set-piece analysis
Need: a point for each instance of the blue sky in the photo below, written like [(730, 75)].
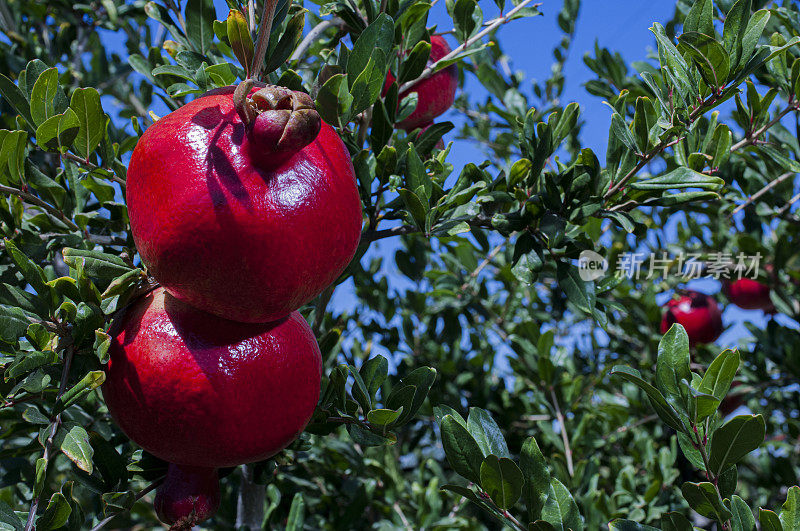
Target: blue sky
[(529, 43)]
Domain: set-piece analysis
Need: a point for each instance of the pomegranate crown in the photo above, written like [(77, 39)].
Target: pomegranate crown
[(277, 119)]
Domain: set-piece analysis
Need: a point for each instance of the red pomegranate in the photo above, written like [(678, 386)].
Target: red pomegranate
[(247, 211), (200, 391), (698, 313), (188, 496), (748, 294), (435, 94)]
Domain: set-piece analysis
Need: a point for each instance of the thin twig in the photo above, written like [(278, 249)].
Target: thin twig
[(469, 42), (650, 155), (33, 200), (752, 137), (761, 192), (485, 262), (564, 436), (55, 423), (313, 35), (264, 29), (92, 166), (788, 205)]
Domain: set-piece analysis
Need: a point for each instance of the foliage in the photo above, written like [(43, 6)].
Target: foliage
[(477, 378)]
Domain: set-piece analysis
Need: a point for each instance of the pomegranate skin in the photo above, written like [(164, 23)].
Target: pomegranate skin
[(188, 496), (748, 294), (197, 390), (436, 94), (221, 230), (698, 313)]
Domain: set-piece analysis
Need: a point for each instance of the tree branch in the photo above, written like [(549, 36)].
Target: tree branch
[(313, 35), (33, 200), (428, 72), (564, 435), (55, 421), (761, 192)]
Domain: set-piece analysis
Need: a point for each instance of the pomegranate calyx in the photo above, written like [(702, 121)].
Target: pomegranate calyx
[(285, 120)]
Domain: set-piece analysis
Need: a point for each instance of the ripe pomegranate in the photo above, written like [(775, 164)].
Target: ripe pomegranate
[(200, 391), (748, 294), (188, 496), (247, 210), (697, 313), (435, 94)]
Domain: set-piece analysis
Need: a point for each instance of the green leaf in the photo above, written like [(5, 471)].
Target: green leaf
[(200, 15), (13, 323), (383, 417), (74, 442), (700, 405), (88, 383), (700, 18), (461, 449), (34, 416), (734, 29), (86, 104), (704, 499), (297, 513), (9, 519), (487, 433), (537, 476), (44, 93), (32, 273), (366, 88), (560, 508), (708, 55), (672, 365), (621, 131), (240, 40), (415, 62), (752, 34), (502, 480), (420, 380), (378, 36), (373, 373), (790, 511), (734, 440), (58, 132), (682, 177), (12, 154), (578, 292), (742, 517), (334, 101), (719, 376), (769, 521), (414, 206), (96, 264), (16, 98), (657, 400), (466, 17), (675, 522), (56, 514)]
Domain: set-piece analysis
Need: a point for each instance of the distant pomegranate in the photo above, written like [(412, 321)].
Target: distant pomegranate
[(748, 294), (698, 313), (436, 94)]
